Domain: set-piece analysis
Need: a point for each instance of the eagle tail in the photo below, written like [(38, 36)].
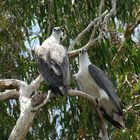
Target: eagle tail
[(61, 90), (55, 90), (64, 90), (115, 121)]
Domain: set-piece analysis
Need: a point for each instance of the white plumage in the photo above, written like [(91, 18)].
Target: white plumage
[(53, 62), (93, 81)]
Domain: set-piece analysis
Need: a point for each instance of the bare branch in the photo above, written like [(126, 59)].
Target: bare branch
[(17, 85), (87, 30), (23, 123), (104, 135), (97, 23), (36, 83), (9, 84), (26, 115), (6, 85), (81, 94), (89, 45), (112, 11), (8, 95), (70, 93), (101, 7), (109, 15)]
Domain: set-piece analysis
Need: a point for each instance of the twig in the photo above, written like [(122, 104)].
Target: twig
[(89, 45), (101, 7)]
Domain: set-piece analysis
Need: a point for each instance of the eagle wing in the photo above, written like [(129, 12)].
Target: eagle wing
[(54, 67), (104, 83)]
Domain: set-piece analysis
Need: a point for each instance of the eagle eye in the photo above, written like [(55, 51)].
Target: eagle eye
[(54, 29)]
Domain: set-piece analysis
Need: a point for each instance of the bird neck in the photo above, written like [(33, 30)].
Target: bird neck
[(55, 38), (84, 61)]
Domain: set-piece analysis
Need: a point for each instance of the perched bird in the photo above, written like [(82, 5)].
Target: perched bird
[(53, 63), (93, 81)]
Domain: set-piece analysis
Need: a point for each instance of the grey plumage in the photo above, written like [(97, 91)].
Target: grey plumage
[(93, 81), (53, 62)]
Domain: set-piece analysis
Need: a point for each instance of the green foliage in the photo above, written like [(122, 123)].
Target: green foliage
[(71, 118)]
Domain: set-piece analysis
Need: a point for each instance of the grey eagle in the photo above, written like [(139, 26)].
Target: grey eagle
[(53, 62), (93, 81)]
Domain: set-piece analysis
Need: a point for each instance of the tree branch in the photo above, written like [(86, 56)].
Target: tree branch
[(23, 90), (9, 84), (97, 23), (93, 23), (104, 135), (101, 7), (36, 83), (27, 112), (9, 94)]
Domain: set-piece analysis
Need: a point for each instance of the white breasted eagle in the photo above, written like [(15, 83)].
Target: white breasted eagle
[(93, 81), (53, 62)]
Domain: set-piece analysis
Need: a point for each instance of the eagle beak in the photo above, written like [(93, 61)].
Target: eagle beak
[(83, 51), (62, 29)]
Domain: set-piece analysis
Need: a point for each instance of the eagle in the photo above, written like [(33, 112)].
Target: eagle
[(93, 81), (53, 63)]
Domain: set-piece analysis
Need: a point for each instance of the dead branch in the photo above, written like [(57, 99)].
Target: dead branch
[(104, 134), (9, 84), (101, 7), (22, 90), (27, 112), (99, 22), (36, 83), (93, 23), (9, 94)]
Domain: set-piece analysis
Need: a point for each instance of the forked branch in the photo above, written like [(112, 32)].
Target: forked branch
[(98, 24)]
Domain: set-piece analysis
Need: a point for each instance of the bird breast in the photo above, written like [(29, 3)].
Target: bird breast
[(89, 86), (87, 83), (56, 52)]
